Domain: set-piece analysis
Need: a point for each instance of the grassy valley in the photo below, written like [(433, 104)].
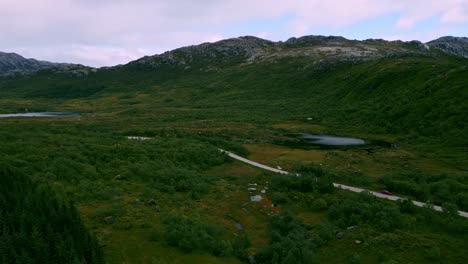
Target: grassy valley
[(174, 198)]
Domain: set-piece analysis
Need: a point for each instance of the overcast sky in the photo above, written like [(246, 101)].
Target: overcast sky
[(110, 32)]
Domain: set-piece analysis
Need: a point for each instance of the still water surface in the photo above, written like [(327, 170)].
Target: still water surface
[(41, 114), (331, 140)]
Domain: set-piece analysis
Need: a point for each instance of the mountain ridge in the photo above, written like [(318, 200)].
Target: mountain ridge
[(12, 64), (315, 46), (247, 49)]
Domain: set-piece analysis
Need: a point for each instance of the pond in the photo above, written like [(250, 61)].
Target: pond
[(41, 114), (317, 141), (331, 140)]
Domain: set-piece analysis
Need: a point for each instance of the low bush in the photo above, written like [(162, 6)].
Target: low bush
[(365, 209), (289, 242), (189, 234)]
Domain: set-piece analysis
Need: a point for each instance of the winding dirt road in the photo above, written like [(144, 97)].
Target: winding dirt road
[(341, 186)]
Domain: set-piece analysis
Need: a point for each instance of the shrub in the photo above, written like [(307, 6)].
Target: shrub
[(289, 242), (240, 244), (365, 209), (188, 234), (319, 204)]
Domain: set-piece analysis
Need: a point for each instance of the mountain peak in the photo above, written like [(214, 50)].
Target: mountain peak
[(316, 39), (12, 64), (457, 46)]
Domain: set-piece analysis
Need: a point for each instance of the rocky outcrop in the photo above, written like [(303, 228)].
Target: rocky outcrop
[(210, 53), (319, 49), (13, 64), (456, 46)]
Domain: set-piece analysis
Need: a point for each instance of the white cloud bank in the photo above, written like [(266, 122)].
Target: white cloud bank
[(109, 32)]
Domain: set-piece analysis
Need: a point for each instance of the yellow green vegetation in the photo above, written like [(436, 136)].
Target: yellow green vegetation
[(174, 198)]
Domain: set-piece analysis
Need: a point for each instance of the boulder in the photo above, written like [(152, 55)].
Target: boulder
[(151, 202), (109, 220), (339, 235)]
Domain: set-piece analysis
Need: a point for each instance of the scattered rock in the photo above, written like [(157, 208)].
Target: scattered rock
[(256, 198), (357, 241), (252, 259), (120, 177), (263, 191), (245, 210), (238, 226), (109, 220), (138, 138), (252, 189), (351, 227), (339, 235), (151, 202)]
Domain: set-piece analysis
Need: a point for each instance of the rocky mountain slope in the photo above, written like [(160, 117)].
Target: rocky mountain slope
[(317, 48), (248, 49), (12, 63), (456, 46), (375, 86)]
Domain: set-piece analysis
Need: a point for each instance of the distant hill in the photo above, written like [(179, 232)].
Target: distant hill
[(451, 45), (252, 49), (249, 49), (14, 64), (410, 89)]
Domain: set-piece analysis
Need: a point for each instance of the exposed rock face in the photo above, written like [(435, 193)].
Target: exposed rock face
[(321, 49), (12, 63), (317, 40), (210, 53), (456, 46)]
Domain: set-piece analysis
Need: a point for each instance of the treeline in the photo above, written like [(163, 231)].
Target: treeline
[(436, 189), (36, 226)]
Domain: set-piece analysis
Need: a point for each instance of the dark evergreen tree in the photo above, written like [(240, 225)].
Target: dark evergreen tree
[(38, 227)]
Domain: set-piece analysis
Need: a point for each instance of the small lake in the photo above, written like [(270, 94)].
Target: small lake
[(317, 141), (331, 140), (41, 114)]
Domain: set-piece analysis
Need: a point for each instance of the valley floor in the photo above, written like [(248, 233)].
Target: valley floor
[(126, 190)]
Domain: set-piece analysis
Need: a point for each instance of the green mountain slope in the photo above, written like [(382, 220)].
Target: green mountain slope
[(174, 198), (391, 87)]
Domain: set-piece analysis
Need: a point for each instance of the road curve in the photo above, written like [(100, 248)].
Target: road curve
[(341, 186)]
